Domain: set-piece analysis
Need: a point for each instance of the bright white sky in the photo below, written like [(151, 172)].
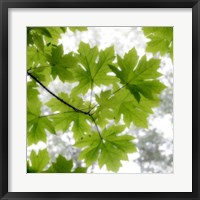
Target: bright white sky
[(123, 39)]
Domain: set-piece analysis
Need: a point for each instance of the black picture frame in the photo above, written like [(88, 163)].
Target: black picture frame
[(6, 4)]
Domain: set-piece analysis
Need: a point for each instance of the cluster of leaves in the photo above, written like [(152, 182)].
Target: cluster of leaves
[(99, 126), (40, 163)]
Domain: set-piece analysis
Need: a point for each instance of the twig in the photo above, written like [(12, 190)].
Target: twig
[(96, 127), (61, 100)]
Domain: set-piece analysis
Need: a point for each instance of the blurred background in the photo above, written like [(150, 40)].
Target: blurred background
[(155, 144)]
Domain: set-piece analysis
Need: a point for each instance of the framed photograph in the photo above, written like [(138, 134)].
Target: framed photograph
[(99, 99)]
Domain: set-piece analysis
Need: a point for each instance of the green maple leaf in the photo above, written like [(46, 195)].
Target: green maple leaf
[(38, 161), (90, 71), (61, 63), (36, 129), (140, 78), (64, 166), (161, 40), (108, 150)]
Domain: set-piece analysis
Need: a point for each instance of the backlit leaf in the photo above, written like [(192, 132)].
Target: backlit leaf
[(108, 150), (37, 129), (62, 165), (93, 66), (61, 64), (139, 77), (161, 40), (38, 161)]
